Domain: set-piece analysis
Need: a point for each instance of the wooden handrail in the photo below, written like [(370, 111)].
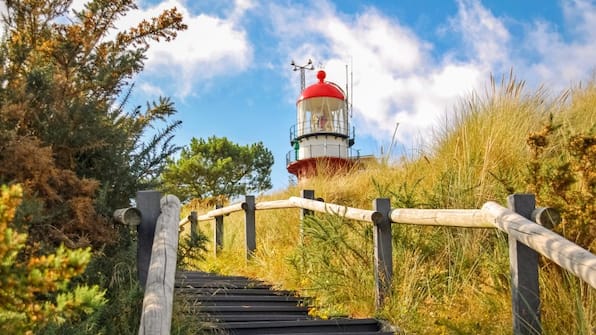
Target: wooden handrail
[(130, 216), (275, 204), (295, 202), (348, 212), (466, 218), (553, 246), (156, 315), (221, 211), (566, 254), (183, 222), (469, 218)]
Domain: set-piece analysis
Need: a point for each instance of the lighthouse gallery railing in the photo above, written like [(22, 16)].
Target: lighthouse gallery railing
[(307, 128), (322, 150)]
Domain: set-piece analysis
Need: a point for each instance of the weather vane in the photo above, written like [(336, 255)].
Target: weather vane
[(308, 66)]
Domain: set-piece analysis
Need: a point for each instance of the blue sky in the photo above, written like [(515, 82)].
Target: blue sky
[(411, 60)]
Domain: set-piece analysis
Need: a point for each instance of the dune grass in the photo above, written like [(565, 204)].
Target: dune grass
[(446, 280)]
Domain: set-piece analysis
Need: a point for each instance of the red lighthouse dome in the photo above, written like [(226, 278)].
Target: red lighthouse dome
[(322, 89)]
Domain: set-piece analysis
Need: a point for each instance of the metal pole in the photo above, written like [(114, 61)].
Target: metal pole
[(302, 68)]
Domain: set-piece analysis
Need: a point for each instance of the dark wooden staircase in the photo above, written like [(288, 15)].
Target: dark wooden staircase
[(243, 306)]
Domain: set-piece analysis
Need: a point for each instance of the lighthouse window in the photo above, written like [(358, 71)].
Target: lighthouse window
[(321, 114)]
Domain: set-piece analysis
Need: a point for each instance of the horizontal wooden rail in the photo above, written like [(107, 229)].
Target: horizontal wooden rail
[(553, 246), (348, 212), (128, 216), (295, 202), (566, 254), (466, 218), (184, 222), (220, 212), (275, 204)]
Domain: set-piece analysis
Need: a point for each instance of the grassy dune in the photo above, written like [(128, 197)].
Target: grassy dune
[(446, 280)]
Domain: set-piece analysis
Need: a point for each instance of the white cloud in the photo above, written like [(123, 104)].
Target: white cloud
[(486, 39), (151, 90), (581, 18), (210, 47), (241, 7), (395, 78), (559, 61)]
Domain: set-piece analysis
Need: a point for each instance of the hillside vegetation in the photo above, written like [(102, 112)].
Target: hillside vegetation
[(446, 280)]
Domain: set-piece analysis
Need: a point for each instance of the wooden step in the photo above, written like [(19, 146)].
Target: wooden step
[(252, 314), (232, 291), (243, 306), (231, 318), (302, 326), (271, 310), (214, 283), (243, 300)]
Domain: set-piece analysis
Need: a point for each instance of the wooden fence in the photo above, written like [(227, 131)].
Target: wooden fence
[(526, 226)]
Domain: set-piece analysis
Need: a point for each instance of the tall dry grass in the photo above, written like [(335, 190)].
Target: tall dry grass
[(446, 280)]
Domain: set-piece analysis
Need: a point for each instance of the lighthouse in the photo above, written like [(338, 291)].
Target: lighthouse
[(322, 137)]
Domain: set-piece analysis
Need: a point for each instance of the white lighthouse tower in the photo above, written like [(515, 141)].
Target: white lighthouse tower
[(321, 137)]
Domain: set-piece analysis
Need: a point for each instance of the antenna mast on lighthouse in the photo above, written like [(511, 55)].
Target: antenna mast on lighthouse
[(308, 66)]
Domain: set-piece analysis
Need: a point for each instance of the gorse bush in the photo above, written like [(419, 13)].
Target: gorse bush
[(65, 133), (69, 138), (37, 291), (562, 171)]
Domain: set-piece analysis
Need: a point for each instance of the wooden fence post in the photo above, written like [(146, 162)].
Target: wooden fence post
[(218, 232), (523, 264), (193, 218), (383, 251), (250, 227), (148, 205), (306, 194)]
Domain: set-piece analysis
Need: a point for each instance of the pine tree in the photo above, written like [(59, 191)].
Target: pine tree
[(218, 167)]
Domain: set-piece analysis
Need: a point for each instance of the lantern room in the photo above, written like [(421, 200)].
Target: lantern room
[(322, 130), (322, 108)]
